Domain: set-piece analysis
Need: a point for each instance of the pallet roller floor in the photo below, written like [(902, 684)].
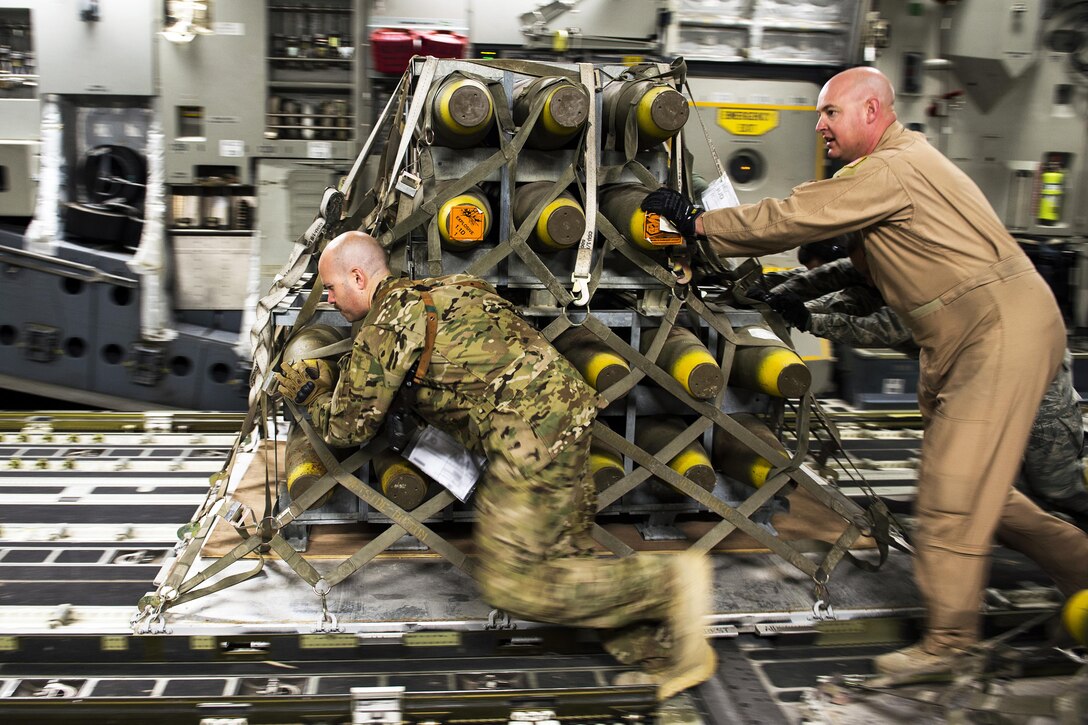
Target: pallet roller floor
[(69, 584)]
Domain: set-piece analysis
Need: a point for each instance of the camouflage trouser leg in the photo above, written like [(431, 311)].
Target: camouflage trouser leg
[(1053, 468), (531, 537)]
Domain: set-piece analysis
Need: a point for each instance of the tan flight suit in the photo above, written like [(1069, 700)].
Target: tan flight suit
[(991, 339)]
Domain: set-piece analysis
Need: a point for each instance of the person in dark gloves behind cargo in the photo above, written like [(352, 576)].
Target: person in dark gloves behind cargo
[(836, 301)]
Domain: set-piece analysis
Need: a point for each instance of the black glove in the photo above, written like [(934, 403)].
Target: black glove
[(673, 206), (757, 293), (791, 307)]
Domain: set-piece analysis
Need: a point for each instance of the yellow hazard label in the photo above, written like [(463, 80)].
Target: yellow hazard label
[(327, 641), (202, 642), (9, 643), (747, 120), (466, 223), (651, 227), (114, 643), (432, 639)]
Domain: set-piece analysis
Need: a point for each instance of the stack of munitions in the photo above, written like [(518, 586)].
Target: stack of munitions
[(496, 166), (531, 176)]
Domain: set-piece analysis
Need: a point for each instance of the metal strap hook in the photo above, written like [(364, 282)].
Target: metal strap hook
[(328, 622), (822, 609)]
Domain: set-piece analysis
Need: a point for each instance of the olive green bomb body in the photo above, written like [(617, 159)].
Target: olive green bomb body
[(598, 364), (400, 481), (304, 468), (773, 369), (561, 222), (309, 339), (688, 361), (462, 112), (657, 111), (564, 113), (605, 465), (652, 434), (736, 459), (621, 204)]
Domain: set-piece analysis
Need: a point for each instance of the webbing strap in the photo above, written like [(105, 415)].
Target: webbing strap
[(295, 560), (224, 583), (707, 499), (787, 469), (419, 102), (348, 185), (244, 547), (337, 348), (747, 508), (580, 277), (706, 134), (670, 384), (387, 538), (517, 244), (190, 552), (527, 67), (301, 504)]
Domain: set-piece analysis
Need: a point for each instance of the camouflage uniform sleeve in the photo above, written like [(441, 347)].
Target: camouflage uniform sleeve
[(384, 351), (831, 277), (856, 301), (1053, 468), (882, 328)]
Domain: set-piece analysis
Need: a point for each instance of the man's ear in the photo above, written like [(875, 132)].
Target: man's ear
[(359, 276), (872, 109)]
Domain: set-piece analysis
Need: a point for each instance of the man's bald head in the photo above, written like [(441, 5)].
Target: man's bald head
[(865, 82), (856, 106), (351, 267), (356, 249)]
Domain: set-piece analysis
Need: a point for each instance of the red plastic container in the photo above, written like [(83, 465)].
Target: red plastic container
[(442, 44), (392, 48)]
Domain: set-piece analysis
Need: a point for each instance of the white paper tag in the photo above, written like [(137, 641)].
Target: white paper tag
[(720, 194), (666, 226), (761, 333), (441, 457)]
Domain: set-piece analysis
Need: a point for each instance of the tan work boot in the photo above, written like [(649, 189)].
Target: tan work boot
[(692, 659), (916, 659), (635, 678)]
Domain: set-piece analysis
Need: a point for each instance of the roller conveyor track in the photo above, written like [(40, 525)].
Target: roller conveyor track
[(69, 582)]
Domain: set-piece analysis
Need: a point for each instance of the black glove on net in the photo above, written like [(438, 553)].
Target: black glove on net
[(757, 293), (675, 207), (791, 307)]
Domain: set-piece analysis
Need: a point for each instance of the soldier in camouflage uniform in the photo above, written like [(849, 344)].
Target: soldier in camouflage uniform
[(501, 389), (836, 301)]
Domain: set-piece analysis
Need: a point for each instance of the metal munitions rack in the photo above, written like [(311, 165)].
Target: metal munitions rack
[(445, 200)]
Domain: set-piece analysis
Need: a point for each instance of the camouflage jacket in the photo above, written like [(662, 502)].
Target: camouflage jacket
[(882, 328), (494, 382), (846, 309)]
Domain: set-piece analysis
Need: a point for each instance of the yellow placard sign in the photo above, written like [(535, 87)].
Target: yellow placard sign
[(466, 223), (747, 120)]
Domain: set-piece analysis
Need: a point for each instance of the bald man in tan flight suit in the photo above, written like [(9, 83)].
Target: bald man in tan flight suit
[(990, 332)]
